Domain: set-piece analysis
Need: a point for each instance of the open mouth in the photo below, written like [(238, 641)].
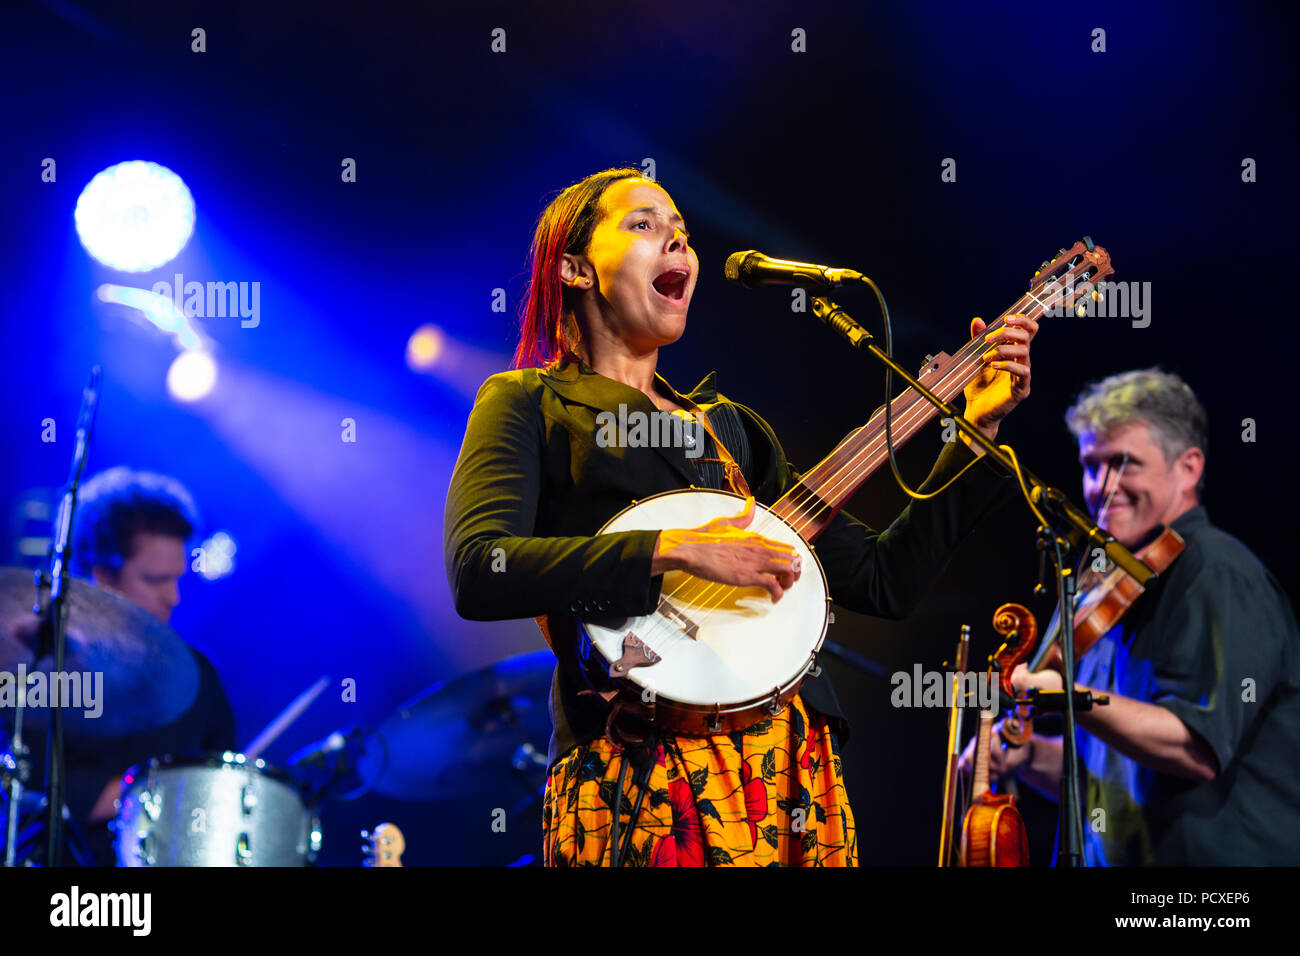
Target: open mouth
[(672, 284)]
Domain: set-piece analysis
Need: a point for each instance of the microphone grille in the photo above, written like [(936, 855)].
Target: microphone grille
[(732, 267)]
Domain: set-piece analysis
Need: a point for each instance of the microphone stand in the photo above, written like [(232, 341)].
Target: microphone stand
[(1071, 529), (57, 618)]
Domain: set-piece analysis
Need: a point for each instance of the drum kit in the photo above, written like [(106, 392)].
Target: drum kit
[(482, 732)]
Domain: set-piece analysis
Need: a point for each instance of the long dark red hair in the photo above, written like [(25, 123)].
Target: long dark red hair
[(548, 327)]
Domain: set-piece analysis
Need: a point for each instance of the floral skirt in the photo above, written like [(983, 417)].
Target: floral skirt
[(770, 795)]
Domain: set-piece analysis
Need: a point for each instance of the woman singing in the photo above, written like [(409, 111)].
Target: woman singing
[(612, 277)]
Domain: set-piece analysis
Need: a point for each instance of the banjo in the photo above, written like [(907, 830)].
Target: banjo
[(716, 658)]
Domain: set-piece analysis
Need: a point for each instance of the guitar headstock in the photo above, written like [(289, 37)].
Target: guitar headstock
[(1061, 284), (384, 847)]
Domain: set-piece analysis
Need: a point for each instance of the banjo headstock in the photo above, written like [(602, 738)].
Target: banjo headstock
[(1060, 284)]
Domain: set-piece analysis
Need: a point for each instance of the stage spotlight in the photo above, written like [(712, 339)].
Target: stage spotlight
[(135, 216), (424, 348), (431, 351), (192, 375), (218, 556)]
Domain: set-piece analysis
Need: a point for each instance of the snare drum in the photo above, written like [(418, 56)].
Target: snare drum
[(213, 810)]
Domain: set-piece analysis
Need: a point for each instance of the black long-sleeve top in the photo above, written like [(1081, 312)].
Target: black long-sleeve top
[(532, 486)]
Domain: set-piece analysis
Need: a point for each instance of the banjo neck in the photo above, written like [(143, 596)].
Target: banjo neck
[(819, 495)]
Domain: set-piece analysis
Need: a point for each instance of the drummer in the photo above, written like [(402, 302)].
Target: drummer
[(131, 536)]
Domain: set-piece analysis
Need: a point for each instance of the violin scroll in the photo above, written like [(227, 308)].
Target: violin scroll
[(1015, 622)]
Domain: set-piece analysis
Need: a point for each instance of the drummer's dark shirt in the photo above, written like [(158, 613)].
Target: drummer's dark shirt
[(1216, 643), (208, 725)]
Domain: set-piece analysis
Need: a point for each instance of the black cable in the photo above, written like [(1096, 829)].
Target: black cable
[(618, 811), (642, 759), (889, 418), (631, 825)]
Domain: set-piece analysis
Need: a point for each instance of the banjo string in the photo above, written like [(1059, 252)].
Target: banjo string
[(796, 502)]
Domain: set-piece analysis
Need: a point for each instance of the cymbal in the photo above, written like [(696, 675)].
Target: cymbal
[(132, 672), (477, 734)]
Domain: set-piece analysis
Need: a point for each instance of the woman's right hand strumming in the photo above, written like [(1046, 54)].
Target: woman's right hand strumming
[(723, 551)]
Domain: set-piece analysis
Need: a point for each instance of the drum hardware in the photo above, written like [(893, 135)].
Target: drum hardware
[(214, 810), (30, 821), (774, 706), (815, 668), (328, 767)]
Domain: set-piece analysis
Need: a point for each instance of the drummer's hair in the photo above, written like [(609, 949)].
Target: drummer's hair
[(1160, 399), (548, 326), (115, 504)]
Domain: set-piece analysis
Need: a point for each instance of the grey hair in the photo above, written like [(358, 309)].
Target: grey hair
[(1161, 399)]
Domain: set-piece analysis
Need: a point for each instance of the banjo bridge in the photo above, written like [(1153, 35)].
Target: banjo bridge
[(679, 617)]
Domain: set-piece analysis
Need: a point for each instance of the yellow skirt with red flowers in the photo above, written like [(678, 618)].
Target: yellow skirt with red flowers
[(770, 795)]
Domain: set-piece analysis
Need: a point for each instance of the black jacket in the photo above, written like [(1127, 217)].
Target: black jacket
[(532, 486)]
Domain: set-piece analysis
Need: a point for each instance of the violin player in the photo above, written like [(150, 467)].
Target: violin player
[(1195, 761)]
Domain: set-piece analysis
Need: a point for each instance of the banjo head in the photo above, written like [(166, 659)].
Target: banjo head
[(721, 649)]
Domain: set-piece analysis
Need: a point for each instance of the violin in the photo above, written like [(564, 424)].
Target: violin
[(992, 832), (1105, 596)]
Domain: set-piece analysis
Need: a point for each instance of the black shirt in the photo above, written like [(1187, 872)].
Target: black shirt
[(1215, 641), (209, 725)]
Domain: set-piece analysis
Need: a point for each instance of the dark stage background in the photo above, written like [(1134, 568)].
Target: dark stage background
[(831, 155)]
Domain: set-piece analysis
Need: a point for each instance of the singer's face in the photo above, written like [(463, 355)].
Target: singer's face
[(645, 269), (1149, 492)]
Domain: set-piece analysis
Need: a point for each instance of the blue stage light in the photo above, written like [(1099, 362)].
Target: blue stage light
[(135, 216), (192, 376), (218, 553)]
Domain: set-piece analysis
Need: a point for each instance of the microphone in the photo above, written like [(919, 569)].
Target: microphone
[(752, 269)]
